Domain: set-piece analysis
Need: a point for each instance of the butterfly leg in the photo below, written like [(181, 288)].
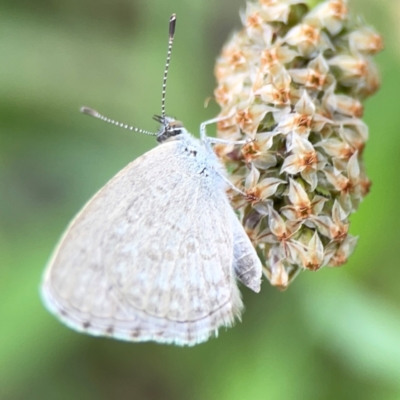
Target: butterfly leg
[(224, 141), (211, 140), (232, 186)]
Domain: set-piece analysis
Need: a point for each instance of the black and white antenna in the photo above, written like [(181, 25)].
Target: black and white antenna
[(95, 114), (162, 119), (172, 25)]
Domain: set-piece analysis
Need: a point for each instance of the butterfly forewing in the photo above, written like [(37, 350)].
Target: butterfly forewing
[(151, 256)]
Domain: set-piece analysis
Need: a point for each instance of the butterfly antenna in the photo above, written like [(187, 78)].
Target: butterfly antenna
[(172, 25), (162, 118), (95, 114)]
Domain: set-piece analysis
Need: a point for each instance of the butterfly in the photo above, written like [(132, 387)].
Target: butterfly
[(156, 254)]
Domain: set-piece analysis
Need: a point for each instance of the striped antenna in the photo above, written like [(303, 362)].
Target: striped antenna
[(162, 119), (95, 114), (172, 25)]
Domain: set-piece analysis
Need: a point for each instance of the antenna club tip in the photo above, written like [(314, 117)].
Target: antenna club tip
[(89, 111), (172, 25)]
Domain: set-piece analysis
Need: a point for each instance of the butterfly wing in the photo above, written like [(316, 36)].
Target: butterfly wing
[(246, 264), (149, 257)]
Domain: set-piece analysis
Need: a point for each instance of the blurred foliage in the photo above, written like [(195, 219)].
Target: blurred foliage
[(333, 334)]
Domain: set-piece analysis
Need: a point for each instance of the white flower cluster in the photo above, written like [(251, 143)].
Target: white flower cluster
[(292, 82)]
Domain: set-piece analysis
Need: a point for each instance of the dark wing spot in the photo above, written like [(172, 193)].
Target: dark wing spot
[(135, 333), (110, 330), (190, 334), (86, 325)]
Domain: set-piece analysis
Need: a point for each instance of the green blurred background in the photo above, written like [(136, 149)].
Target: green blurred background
[(333, 334)]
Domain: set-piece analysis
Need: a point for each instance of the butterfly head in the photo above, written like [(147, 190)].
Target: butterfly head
[(170, 128)]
